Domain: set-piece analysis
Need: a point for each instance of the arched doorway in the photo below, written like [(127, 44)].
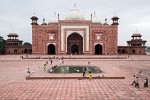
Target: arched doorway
[(75, 49), (25, 51), (30, 51), (119, 51), (51, 49), (133, 51), (15, 51), (123, 51), (75, 44), (98, 49)]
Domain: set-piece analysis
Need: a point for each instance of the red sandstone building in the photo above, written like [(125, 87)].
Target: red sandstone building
[(135, 46), (14, 46), (74, 35)]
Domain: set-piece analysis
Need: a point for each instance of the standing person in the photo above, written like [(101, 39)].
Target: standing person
[(90, 76), (89, 62), (85, 69), (33, 71), (133, 83), (137, 82), (62, 62), (83, 73), (139, 72), (89, 70), (28, 72), (44, 67), (51, 61), (146, 82)]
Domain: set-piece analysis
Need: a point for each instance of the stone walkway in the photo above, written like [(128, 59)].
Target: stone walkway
[(14, 86)]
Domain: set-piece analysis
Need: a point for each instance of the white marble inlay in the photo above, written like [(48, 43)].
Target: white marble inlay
[(74, 27)]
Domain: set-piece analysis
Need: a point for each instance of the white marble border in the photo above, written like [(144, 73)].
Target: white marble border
[(75, 27), (51, 43)]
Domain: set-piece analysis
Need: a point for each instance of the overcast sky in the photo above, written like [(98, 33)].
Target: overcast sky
[(134, 15)]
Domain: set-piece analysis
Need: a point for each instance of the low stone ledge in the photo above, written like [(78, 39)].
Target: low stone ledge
[(80, 78)]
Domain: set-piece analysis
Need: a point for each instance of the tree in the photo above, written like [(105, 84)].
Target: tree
[(2, 50), (27, 44)]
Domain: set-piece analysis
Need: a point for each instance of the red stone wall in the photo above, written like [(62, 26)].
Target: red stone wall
[(40, 35)]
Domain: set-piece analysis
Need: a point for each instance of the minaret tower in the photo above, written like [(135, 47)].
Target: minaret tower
[(115, 20), (34, 20)]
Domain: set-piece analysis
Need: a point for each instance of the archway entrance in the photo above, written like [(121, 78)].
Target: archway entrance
[(133, 51), (74, 44), (25, 51), (75, 49), (123, 51), (51, 49), (98, 49), (15, 51)]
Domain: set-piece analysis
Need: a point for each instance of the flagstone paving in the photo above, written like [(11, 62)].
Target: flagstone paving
[(14, 86)]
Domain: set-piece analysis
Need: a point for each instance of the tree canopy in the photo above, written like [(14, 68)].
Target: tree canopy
[(1, 45), (27, 44)]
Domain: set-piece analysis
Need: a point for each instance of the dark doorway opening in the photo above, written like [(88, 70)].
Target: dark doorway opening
[(123, 51), (133, 51), (98, 49), (25, 51), (75, 49), (51, 49), (15, 51), (119, 51)]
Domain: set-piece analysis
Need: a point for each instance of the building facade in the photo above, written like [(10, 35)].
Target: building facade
[(14, 46), (136, 46), (74, 35)]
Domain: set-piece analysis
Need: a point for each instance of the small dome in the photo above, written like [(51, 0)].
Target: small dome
[(115, 17), (75, 14), (54, 19), (34, 17), (95, 19), (12, 34), (136, 34)]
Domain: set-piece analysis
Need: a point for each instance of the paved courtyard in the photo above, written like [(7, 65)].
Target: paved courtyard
[(14, 86)]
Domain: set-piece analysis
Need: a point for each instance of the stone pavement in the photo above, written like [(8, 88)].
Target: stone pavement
[(14, 86)]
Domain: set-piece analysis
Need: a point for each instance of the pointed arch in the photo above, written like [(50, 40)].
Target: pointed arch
[(98, 49), (51, 49)]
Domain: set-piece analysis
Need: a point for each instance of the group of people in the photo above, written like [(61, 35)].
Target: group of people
[(136, 80), (89, 71), (29, 72)]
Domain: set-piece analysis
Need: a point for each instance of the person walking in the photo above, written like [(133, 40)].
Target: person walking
[(89, 62), (146, 82), (137, 82), (134, 79)]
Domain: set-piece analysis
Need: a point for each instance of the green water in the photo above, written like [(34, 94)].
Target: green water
[(75, 69)]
